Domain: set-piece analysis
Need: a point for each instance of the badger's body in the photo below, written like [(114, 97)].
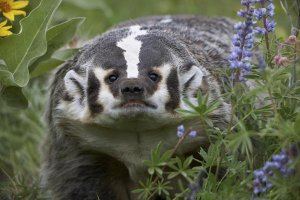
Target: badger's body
[(115, 101)]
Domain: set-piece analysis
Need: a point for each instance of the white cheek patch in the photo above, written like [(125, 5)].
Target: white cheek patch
[(105, 96), (161, 95), (132, 48)]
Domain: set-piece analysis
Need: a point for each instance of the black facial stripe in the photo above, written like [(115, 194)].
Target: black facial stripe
[(80, 88), (154, 52), (115, 87), (173, 89), (110, 56), (187, 85), (93, 89)]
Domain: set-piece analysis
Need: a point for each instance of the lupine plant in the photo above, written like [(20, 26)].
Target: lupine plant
[(257, 156)]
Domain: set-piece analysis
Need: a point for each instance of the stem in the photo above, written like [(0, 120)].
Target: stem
[(267, 37), (294, 69), (173, 152), (272, 101), (295, 32), (231, 118)]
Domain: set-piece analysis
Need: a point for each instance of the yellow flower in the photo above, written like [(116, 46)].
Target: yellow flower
[(10, 8), (4, 29)]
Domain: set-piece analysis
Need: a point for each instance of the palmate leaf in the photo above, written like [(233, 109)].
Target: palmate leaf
[(20, 49), (58, 36), (14, 97), (45, 66), (56, 59)]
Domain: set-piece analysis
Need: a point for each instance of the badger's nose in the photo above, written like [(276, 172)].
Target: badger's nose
[(132, 89)]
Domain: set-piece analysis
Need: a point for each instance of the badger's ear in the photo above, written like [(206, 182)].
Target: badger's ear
[(74, 102), (190, 78), (75, 85)]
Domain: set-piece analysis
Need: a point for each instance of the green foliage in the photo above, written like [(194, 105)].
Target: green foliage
[(202, 110), (36, 43), (57, 36), (21, 132), (27, 45), (265, 119), (157, 161)]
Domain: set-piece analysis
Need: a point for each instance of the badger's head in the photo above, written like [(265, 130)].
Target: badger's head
[(131, 75)]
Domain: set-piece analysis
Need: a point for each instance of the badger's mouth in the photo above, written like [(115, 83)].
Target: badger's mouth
[(136, 103)]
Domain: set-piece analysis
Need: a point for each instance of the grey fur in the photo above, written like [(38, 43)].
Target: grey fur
[(89, 159)]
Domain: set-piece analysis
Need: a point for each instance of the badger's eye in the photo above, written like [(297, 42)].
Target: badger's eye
[(112, 78), (153, 76)]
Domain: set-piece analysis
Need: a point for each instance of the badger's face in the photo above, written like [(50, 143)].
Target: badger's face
[(136, 77)]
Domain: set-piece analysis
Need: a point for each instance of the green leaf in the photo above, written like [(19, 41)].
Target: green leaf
[(6, 78), (58, 36), (57, 59), (187, 162), (20, 49), (297, 124), (14, 97), (45, 66), (91, 5), (213, 106), (151, 171), (65, 54)]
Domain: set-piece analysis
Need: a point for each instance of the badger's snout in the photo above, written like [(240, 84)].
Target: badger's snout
[(132, 89)]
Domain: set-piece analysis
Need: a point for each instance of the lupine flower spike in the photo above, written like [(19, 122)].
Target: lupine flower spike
[(240, 53), (280, 163), (265, 13)]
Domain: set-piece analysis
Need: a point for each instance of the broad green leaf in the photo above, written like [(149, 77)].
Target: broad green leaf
[(14, 97), (57, 59), (20, 49), (57, 37), (64, 54), (6, 78), (45, 66)]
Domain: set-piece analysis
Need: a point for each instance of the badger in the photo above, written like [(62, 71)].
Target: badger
[(112, 103)]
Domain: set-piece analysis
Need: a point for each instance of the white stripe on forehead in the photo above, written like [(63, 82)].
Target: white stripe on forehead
[(132, 48)]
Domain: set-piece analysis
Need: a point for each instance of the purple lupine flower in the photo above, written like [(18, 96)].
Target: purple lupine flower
[(266, 13), (180, 131), (260, 31), (193, 134), (259, 13), (247, 2), (280, 163), (270, 10), (240, 53), (270, 25)]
